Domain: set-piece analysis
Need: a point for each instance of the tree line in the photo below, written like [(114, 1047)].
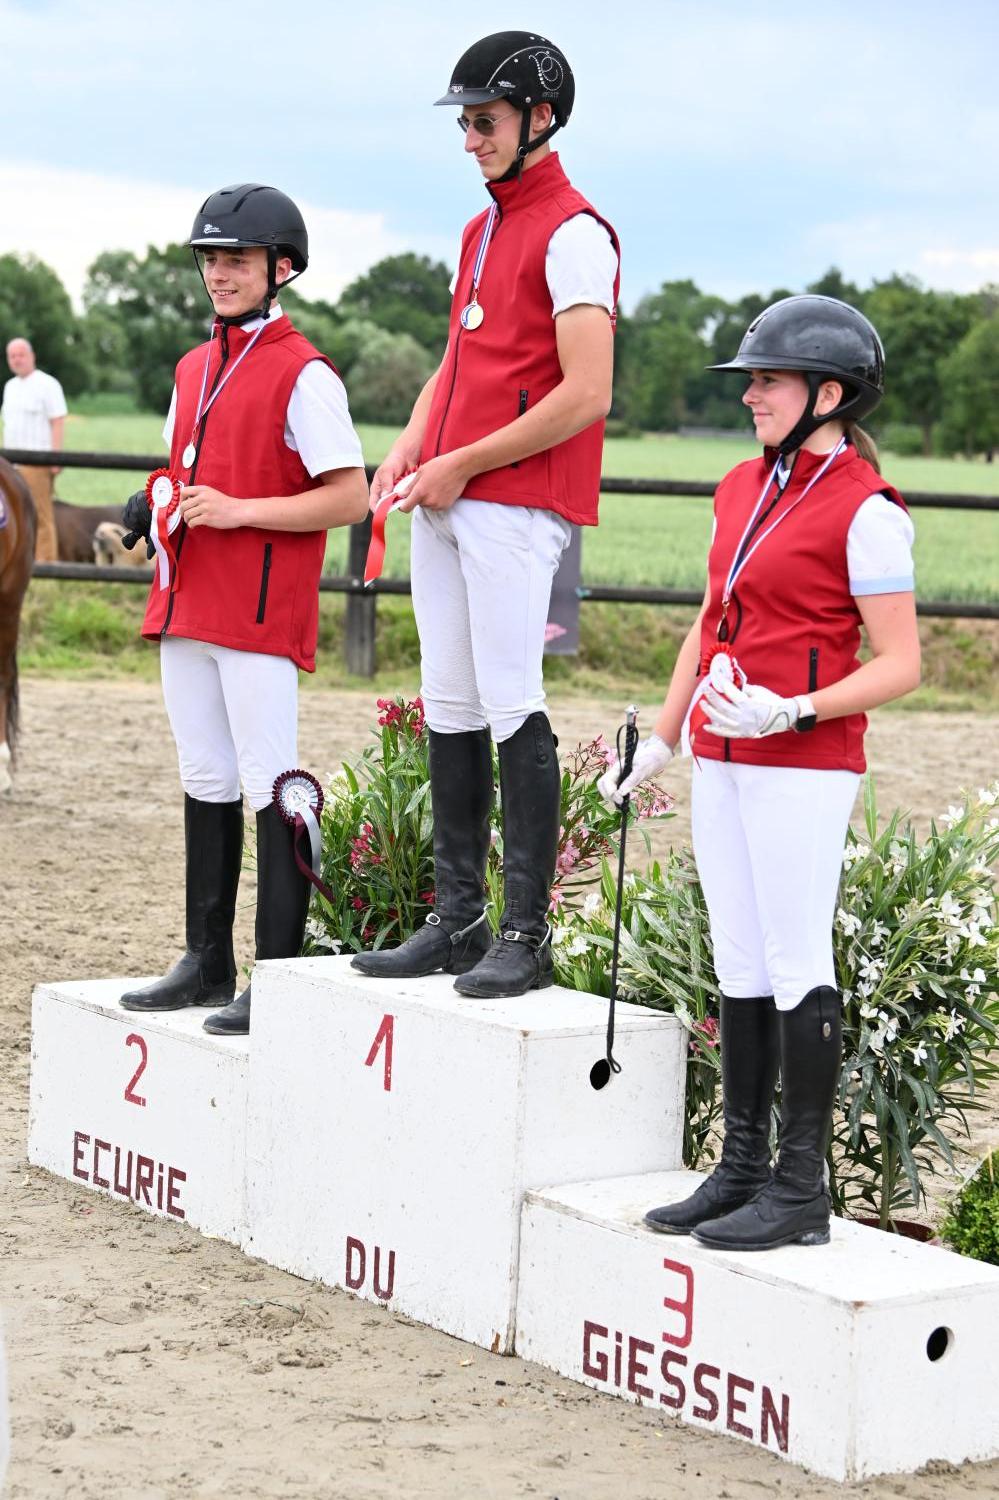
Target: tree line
[(387, 331)]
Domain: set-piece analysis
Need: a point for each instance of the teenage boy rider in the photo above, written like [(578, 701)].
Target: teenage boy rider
[(262, 440), (507, 437)]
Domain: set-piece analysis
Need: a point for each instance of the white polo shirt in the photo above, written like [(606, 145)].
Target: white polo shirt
[(30, 404)]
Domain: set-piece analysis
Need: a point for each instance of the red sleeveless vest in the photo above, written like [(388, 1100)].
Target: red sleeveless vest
[(494, 373), (249, 588), (794, 626)]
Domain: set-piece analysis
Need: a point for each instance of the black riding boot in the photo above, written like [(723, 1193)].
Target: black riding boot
[(794, 1207), (520, 959), (456, 934), (282, 907), (749, 1061), (206, 973)]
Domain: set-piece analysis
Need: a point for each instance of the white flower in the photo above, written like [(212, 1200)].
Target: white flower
[(988, 796), (847, 922), (868, 1012), (878, 934), (630, 880), (949, 909), (577, 946), (592, 904), (954, 1025), (850, 855), (560, 935), (871, 969), (919, 1053), (951, 816), (890, 1025)]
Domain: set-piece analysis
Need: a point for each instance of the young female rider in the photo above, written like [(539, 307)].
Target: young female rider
[(809, 544)]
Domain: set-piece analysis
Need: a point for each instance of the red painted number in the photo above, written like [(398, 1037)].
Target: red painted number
[(385, 1033), (684, 1306), (130, 1096)]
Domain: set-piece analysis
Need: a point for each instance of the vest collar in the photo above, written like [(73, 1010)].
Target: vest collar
[(238, 335), (806, 463), (532, 185)]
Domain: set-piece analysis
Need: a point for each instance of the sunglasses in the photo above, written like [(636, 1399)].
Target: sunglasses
[(484, 124)]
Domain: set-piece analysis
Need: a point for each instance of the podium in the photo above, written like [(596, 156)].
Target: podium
[(449, 1158), (146, 1108), (393, 1128), (871, 1355)]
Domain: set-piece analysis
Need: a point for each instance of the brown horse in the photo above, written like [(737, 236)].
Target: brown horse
[(18, 524)]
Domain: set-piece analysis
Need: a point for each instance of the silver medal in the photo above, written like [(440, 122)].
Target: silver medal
[(188, 456)]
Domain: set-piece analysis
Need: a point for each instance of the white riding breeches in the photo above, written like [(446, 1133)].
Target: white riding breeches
[(234, 716), (769, 842), (482, 580)]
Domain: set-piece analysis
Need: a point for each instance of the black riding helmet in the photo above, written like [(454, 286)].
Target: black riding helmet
[(248, 213), (826, 340), (520, 66)]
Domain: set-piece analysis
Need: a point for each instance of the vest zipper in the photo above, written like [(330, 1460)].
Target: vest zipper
[(182, 530), (264, 580), (521, 408), (813, 669)]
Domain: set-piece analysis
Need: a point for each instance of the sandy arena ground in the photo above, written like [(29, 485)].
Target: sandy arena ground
[(147, 1362)]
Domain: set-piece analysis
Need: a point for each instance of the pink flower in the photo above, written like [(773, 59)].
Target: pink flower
[(708, 1031), (357, 903), (568, 858), (557, 901), (606, 752)]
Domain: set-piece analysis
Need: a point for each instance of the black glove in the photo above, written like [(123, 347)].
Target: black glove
[(138, 518)]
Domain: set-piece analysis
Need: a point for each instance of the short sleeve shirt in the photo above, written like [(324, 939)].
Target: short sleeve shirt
[(30, 404), (317, 425), (580, 265)]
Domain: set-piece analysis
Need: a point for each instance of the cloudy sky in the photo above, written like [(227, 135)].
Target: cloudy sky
[(743, 145)]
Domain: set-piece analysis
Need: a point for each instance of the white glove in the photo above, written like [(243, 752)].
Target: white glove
[(651, 756), (751, 712)]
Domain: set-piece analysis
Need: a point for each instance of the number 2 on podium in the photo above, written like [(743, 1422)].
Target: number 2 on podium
[(130, 1096)]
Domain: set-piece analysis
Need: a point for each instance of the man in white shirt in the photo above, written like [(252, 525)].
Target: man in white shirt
[(34, 412)]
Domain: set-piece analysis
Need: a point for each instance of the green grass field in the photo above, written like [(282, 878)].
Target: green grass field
[(643, 540)]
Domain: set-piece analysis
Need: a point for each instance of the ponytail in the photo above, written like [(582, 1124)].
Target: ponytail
[(864, 444)]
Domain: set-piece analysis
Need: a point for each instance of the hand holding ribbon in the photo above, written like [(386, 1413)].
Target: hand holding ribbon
[(392, 500), (748, 712)]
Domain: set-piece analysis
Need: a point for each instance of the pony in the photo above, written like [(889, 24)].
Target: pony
[(18, 525)]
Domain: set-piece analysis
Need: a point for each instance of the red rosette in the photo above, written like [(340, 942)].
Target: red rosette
[(713, 673), (298, 798), (293, 792), (163, 492)]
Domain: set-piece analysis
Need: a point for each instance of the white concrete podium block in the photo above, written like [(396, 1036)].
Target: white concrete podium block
[(393, 1127), (871, 1355), (148, 1108)]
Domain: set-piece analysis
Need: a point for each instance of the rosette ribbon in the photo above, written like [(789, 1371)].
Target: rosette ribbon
[(298, 797), (718, 666), (163, 494), (375, 560)]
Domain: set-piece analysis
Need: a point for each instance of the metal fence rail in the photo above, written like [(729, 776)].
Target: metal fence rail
[(360, 627)]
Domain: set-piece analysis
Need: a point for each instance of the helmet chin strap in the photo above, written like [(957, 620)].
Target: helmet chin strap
[(526, 145), (808, 422)]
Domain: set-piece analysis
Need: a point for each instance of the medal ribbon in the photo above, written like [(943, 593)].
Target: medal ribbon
[(203, 410), (740, 559), (480, 254)]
